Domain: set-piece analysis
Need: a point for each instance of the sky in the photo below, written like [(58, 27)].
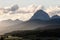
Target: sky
[(22, 3)]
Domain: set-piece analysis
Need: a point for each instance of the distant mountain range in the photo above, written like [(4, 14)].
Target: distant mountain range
[(10, 22), (39, 21), (15, 12), (4, 25)]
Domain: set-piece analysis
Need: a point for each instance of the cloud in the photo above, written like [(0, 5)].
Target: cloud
[(30, 9), (24, 13), (16, 9), (53, 10), (22, 16)]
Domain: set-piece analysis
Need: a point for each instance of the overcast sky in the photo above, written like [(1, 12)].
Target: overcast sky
[(21, 3)]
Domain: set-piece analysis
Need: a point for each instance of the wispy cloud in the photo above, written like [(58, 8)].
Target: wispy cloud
[(53, 10), (14, 12)]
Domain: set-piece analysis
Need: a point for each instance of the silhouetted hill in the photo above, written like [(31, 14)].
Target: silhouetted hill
[(39, 25), (41, 15), (5, 25), (55, 19), (36, 21), (55, 16), (11, 22)]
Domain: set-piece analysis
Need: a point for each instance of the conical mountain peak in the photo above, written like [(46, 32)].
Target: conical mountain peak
[(41, 15)]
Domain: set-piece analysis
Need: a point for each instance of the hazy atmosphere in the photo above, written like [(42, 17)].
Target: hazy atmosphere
[(29, 19)]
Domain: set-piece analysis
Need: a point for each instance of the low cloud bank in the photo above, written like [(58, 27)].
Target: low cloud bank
[(25, 13), (14, 12), (53, 11)]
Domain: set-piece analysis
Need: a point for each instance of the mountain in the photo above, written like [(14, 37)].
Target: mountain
[(40, 20), (54, 23), (37, 20), (4, 25), (55, 17), (10, 22), (41, 15)]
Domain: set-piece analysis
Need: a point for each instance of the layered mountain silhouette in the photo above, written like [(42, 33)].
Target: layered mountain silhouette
[(10, 22), (4, 25), (54, 23), (39, 21)]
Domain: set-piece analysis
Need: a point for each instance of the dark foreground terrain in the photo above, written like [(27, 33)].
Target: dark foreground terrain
[(53, 34)]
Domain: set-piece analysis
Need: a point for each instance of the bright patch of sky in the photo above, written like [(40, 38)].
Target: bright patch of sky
[(22, 3)]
